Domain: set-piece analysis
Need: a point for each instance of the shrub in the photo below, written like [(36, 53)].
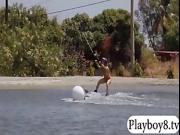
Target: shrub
[(91, 70), (137, 70), (120, 70), (148, 58)]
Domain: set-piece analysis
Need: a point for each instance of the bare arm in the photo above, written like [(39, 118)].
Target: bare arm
[(98, 63)]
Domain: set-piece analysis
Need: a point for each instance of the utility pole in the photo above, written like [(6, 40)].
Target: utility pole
[(132, 35), (6, 11)]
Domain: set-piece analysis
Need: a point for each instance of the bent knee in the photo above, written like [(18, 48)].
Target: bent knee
[(102, 81), (109, 81)]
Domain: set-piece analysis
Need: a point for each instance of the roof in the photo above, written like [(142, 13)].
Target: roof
[(167, 52)]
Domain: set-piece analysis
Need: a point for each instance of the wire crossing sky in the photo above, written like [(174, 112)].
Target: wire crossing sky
[(59, 11), (83, 6)]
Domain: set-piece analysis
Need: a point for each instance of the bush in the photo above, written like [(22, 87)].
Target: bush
[(137, 70), (148, 58), (91, 70), (30, 44), (120, 70)]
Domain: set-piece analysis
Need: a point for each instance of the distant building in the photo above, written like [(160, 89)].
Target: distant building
[(167, 55)]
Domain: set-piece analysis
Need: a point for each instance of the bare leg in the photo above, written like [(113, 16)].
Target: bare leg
[(101, 81), (107, 90), (107, 87)]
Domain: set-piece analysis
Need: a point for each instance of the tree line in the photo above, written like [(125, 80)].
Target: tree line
[(34, 45)]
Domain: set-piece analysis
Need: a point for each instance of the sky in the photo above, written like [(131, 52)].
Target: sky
[(54, 5)]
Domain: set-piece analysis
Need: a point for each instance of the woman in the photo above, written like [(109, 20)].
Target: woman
[(103, 65)]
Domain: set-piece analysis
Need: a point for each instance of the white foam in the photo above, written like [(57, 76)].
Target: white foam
[(120, 98)]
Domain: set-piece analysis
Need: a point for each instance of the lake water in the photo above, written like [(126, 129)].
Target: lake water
[(52, 112)]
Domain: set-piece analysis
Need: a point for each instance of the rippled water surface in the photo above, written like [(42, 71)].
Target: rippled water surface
[(52, 112)]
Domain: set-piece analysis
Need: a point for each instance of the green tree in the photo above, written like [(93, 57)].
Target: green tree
[(79, 34), (31, 44), (117, 24), (172, 38)]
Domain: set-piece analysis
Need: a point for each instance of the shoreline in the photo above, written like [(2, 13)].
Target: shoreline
[(23, 83)]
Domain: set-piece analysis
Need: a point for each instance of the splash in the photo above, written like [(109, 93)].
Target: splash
[(121, 98)]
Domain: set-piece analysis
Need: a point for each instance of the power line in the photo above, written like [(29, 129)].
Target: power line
[(87, 5)]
